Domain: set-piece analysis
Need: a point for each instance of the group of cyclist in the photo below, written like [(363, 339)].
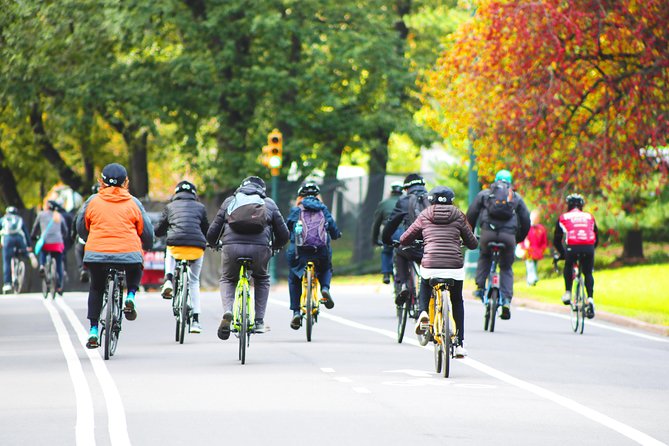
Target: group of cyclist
[(441, 230)]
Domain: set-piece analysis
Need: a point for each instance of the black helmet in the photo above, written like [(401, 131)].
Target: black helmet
[(413, 179), (95, 188), (309, 189), (185, 186), (575, 201), (52, 205), (253, 180), (12, 210), (114, 175), (441, 195), (396, 188)]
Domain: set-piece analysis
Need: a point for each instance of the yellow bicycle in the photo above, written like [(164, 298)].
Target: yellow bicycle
[(309, 300), (441, 328)]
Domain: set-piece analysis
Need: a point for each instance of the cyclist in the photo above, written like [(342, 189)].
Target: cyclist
[(381, 214), (401, 218), (50, 225), (116, 228), (581, 237), (311, 227), (14, 237), (504, 218), (443, 228), (184, 221), (264, 231)]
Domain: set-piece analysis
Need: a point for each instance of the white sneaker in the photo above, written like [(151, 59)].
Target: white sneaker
[(566, 298), (460, 351), (6, 288), (166, 290), (423, 322), (195, 327)]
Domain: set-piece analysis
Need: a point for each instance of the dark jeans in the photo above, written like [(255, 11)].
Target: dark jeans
[(58, 256), (98, 271), (324, 276), (457, 304), (586, 256), (387, 259), (11, 242), (506, 259), (403, 269)]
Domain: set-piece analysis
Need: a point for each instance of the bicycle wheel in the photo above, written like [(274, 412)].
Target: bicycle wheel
[(493, 303), (438, 346), (176, 306), (45, 283), (310, 303), (183, 298), (243, 329), (446, 345), (117, 317), (580, 296), (486, 313), (54, 277), (18, 274), (402, 316), (575, 315), (109, 316)]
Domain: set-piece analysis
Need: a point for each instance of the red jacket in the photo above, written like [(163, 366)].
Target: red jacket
[(536, 242)]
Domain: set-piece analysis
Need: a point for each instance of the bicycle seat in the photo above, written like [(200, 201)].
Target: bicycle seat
[(244, 260), (434, 281), (497, 245)]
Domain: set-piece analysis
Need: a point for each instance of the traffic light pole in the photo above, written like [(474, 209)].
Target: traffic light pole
[(275, 198)]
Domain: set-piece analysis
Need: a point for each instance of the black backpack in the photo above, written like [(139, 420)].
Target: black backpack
[(500, 203), (417, 203), (247, 214)]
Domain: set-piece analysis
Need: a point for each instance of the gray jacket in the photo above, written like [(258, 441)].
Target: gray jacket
[(57, 233), (519, 224)]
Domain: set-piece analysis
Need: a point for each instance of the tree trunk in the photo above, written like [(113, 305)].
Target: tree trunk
[(139, 166), (8, 190), (633, 245)]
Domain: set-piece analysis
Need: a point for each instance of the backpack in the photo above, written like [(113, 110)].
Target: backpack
[(11, 224), (500, 203), (313, 228), (247, 214), (417, 203)]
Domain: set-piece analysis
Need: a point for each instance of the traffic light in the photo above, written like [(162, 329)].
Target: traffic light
[(274, 151)]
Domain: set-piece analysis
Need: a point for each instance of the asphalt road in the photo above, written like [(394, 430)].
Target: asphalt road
[(531, 382)]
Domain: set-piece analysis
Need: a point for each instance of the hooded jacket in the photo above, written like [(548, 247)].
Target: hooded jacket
[(274, 234), (312, 204), (519, 224), (115, 227), (184, 220), (442, 228), (399, 213)]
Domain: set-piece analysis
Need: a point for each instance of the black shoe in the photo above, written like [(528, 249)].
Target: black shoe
[(402, 296), (41, 272), (386, 278), (506, 313), (296, 321), (590, 309), (129, 310), (84, 276), (224, 327), (327, 299)]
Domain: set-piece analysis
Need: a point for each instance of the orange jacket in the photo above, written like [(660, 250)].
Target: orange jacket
[(115, 227)]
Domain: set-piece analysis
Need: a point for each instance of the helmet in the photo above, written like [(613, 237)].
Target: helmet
[(253, 180), (441, 195), (12, 210), (504, 175), (413, 179), (185, 186), (575, 201), (52, 205), (309, 189), (95, 188), (114, 174), (396, 188)]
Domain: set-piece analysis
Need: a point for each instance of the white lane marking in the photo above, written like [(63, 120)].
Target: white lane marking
[(343, 379), (411, 372), (117, 426), (85, 426), (362, 390), (621, 428), (599, 325), (327, 370)]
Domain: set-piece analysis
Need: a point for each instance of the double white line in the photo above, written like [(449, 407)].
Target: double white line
[(85, 426)]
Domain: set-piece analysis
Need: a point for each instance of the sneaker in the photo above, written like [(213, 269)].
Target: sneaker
[(460, 351), (423, 322), (386, 278), (479, 294), (590, 308), (506, 312), (260, 327), (41, 271), (224, 327), (129, 310), (59, 291), (296, 321), (84, 276), (402, 296), (566, 298), (166, 290), (195, 327), (6, 288), (93, 338), (327, 299)]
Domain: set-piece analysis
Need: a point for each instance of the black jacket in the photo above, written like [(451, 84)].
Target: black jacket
[(275, 234), (399, 213), (184, 220), (519, 224)]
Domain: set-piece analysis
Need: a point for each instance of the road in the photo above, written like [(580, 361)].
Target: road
[(531, 382)]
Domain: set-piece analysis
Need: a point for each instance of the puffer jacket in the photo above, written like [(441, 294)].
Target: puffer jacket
[(399, 213), (442, 228), (184, 220), (275, 233), (115, 227)]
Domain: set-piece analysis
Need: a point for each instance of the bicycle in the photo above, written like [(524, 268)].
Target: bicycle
[(492, 299), (181, 305), (243, 308), (111, 314), (18, 271), (410, 306), (441, 328), (309, 300), (579, 302), (50, 277)]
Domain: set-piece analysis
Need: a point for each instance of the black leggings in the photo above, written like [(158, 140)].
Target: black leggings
[(457, 305), (98, 271), (586, 256)]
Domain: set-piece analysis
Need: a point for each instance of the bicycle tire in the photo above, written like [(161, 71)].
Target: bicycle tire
[(184, 305), (18, 268), (494, 303), (438, 346), (117, 317), (54, 277), (176, 306), (582, 304), (446, 339), (107, 332), (402, 316), (486, 313), (574, 315), (243, 329), (45, 283), (310, 304)]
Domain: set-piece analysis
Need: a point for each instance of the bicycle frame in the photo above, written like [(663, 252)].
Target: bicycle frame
[(111, 313), (17, 271), (578, 303), (243, 308), (441, 321), (492, 297), (181, 302), (309, 301), (50, 277)]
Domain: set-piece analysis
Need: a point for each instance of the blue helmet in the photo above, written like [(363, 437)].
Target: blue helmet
[(504, 175)]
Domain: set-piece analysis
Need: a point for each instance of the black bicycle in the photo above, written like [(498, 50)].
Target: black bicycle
[(111, 315), (409, 309), (579, 303), (181, 305), (50, 277), (17, 270), (491, 297)]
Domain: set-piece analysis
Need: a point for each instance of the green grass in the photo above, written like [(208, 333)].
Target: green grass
[(640, 292)]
